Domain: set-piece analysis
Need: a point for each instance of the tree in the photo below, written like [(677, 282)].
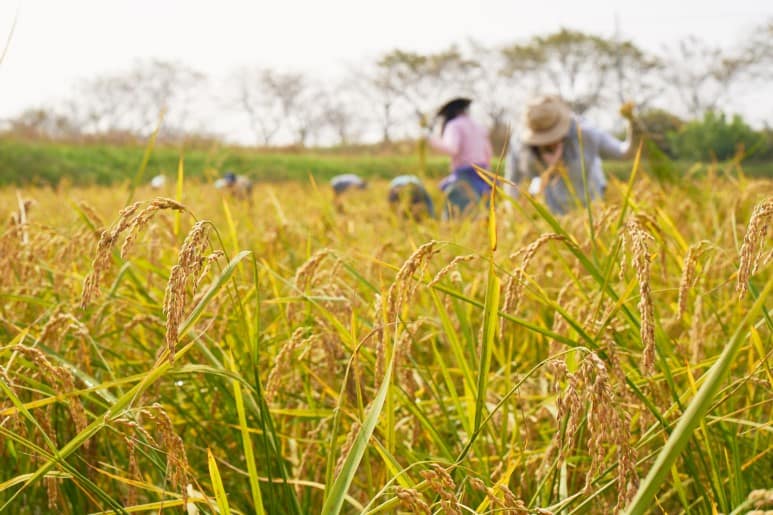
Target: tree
[(43, 123), (494, 91), (638, 75), (701, 74), (378, 87), (338, 114), (658, 124), (576, 65), (714, 137), (132, 101), (758, 47), (425, 81), (295, 94), (255, 99)]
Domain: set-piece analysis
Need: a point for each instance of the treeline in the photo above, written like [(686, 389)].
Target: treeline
[(680, 93)]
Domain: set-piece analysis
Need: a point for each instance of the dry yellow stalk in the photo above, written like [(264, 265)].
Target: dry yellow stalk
[(402, 357), (697, 327)]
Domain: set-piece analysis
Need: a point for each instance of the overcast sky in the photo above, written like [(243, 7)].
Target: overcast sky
[(57, 42)]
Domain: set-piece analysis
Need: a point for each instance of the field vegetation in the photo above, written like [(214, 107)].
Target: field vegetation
[(180, 350), (32, 162)]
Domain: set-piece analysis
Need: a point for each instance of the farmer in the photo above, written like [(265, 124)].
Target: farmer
[(409, 197), (346, 182), (467, 142), (238, 185), (556, 147)]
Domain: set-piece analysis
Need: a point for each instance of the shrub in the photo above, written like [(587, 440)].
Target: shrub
[(659, 123), (715, 138)]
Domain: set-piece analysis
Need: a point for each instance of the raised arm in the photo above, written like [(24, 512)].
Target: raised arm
[(611, 147)]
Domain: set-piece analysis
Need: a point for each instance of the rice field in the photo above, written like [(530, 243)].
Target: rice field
[(186, 352)]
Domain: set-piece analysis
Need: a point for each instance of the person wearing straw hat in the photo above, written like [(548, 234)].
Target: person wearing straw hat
[(467, 142), (561, 154)]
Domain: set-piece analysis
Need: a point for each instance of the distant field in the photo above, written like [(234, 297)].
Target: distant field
[(40, 163), (47, 163)]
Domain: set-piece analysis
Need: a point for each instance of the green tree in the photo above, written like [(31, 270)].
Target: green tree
[(714, 137), (585, 69), (657, 124), (425, 81)]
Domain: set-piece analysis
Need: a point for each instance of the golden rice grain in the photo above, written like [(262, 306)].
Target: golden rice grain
[(451, 267), (305, 273), (131, 218), (101, 262), (641, 263), (91, 214), (176, 457), (441, 483), (513, 289), (687, 279), (208, 261), (347, 446), (411, 500), (283, 362), (189, 264), (399, 292), (750, 252)]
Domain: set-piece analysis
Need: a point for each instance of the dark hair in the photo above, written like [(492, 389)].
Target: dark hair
[(453, 109)]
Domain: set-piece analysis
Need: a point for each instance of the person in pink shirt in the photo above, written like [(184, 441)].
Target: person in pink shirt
[(467, 142)]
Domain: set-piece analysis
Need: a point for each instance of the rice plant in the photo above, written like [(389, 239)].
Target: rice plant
[(205, 355)]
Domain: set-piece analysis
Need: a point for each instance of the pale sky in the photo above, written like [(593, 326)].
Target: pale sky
[(57, 42)]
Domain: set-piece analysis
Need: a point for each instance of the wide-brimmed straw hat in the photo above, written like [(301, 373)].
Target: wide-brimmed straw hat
[(546, 120), (454, 107)]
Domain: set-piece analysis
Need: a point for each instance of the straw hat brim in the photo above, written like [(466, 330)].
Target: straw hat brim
[(556, 133)]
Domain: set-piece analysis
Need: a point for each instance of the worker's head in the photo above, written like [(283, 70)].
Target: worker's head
[(452, 109), (546, 122)]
